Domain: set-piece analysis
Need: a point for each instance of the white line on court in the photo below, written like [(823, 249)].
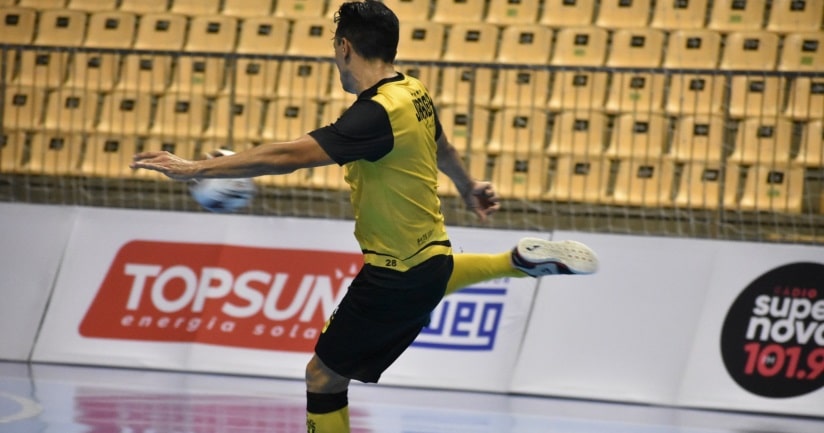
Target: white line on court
[(28, 408)]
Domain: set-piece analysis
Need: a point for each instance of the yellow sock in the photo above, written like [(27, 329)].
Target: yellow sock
[(327, 413), (475, 268)]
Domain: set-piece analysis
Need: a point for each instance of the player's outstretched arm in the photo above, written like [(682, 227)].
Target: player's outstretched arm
[(479, 196), (269, 158)]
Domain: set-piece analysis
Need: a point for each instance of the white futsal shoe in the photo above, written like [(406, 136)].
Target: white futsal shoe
[(538, 257)]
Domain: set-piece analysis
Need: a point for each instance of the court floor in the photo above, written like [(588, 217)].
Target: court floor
[(67, 399)]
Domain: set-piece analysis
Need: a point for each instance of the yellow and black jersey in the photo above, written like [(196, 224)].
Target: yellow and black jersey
[(387, 143)]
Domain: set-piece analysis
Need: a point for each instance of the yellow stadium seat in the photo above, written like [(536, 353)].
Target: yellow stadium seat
[(304, 79), (512, 12), (109, 156), (100, 70), (520, 176), (699, 138), (773, 188), (756, 96), (311, 37), (236, 119), (518, 130), (578, 133), (54, 153), (679, 14), (691, 94), (638, 135), (703, 185), (195, 7), (579, 178), (421, 40), (290, 118), (737, 15), (61, 27), (93, 5), (465, 128), (750, 50), (12, 150), (567, 13), (811, 151), (458, 11), (17, 25), (294, 9), (23, 108), (247, 8), (42, 4), (410, 10), (71, 110), (615, 14), (125, 113), (636, 93), (179, 116), (205, 74), (143, 7), (580, 46), (763, 141), (578, 90), (693, 49), (802, 51), (644, 182), (147, 72), (795, 16)]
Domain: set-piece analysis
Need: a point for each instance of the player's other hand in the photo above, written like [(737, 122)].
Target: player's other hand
[(482, 200), (167, 163)]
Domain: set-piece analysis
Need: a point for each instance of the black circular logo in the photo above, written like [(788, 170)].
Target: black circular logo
[(772, 342)]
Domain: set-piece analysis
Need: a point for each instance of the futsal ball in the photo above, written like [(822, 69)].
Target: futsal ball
[(222, 195)]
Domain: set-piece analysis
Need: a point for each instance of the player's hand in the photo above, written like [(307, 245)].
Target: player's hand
[(167, 163), (482, 200)]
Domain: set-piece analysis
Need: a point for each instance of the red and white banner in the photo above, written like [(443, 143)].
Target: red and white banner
[(250, 295), (33, 241)]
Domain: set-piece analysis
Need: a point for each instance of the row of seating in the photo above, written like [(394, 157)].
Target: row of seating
[(652, 182), (526, 131), (649, 47), (722, 15)]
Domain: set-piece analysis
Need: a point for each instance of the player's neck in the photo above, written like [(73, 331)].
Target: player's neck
[(372, 73)]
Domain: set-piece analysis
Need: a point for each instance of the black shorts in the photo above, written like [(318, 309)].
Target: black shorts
[(380, 316)]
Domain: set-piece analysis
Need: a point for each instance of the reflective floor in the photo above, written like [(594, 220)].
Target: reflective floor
[(67, 399)]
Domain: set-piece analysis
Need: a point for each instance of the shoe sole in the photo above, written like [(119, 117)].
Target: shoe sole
[(551, 257)]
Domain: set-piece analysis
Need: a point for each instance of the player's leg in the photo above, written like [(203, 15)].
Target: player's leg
[(327, 402), (533, 257)]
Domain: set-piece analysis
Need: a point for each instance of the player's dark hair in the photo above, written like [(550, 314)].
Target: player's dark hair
[(371, 28)]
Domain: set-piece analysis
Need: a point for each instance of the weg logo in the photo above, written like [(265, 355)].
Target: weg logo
[(465, 320)]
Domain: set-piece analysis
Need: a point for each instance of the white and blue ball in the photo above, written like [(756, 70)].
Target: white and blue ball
[(223, 195)]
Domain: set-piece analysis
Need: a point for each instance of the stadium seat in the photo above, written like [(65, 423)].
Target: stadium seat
[(773, 188), (71, 110), (806, 99), (141, 7), (703, 185), (465, 128), (691, 94), (179, 116), (205, 74), (295, 9), (99, 70), (737, 15), (579, 133), (578, 90), (750, 50), (464, 85), (304, 79), (42, 4), (644, 182), (421, 40), (328, 177), (795, 16), (23, 107), (579, 178), (679, 14), (567, 13), (804, 52), (614, 14), (311, 37), (147, 72), (693, 49), (17, 25), (235, 118), (257, 76), (520, 176), (247, 8), (109, 156), (755, 95), (93, 5), (54, 153), (410, 10), (520, 130), (525, 87), (458, 11), (636, 48), (512, 12), (12, 150), (289, 118), (580, 46), (811, 150), (638, 135), (125, 113), (61, 27), (47, 68), (195, 7), (763, 141), (699, 138)]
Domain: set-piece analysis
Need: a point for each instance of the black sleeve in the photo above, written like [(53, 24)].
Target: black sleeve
[(362, 132), (438, 127)]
